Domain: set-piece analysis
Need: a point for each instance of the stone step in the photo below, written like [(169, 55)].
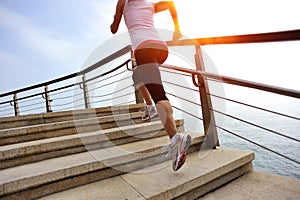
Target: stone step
[(44, 118), (33, 151), (199, 176), (258, 185), (42, 131), (52, 175)]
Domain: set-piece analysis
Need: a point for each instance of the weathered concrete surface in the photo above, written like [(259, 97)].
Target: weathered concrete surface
[(126, 157), (161, 182), (113, 188), (33, 151), (197, 172), (42, 131), (44, 118), (258, 186)]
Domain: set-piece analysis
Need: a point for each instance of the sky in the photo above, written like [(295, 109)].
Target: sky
[(45, 39)]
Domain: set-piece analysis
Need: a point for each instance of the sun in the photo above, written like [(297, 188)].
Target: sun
[(189, 16)]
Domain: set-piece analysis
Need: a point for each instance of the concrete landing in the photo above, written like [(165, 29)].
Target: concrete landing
[(258, 186), (197, 177)]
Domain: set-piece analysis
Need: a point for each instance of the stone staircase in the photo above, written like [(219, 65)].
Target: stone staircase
[(105, 153)]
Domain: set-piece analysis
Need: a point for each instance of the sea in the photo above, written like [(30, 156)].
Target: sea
[(265, 160)]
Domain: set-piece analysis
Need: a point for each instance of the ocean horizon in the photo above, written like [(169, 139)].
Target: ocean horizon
[(265, 160)]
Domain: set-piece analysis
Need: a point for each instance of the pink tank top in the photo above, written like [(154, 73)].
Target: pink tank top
[(138, 15)]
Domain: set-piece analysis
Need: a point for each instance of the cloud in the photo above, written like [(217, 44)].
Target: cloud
[(36, 52), (46, 42)]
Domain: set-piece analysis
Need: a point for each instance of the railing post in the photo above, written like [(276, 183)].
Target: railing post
[(210, 129), (85, 92), (48, 100), (16, 105), (138, 96)]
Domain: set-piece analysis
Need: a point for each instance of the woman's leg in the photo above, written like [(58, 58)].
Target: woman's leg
[(165, 114), (145, 94), (148, 73)]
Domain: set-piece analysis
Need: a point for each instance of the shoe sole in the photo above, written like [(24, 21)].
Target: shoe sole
[(182, 157), (187, 143)]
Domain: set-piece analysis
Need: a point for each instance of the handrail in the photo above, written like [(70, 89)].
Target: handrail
[(238, 82), (71, 85), (248, 38), (279, 36), (198, 77), (253, 85), (104, 61), (237, 39), (243, 83)]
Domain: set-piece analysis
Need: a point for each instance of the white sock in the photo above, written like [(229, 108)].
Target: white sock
[(173, 139), (148, 107)]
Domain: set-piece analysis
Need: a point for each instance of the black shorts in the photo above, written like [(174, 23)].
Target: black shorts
[(148, 59)]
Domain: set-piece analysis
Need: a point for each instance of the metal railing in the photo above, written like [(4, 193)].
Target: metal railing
[(63, 97), (47, 99)]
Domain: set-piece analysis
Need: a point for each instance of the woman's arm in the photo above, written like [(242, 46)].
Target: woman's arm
[(118, 16), (169, 5)]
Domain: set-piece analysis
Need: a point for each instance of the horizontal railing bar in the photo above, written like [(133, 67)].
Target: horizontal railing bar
[(39, 85), (255, 143), (114, 92), (181, 69), (6, 114), (279, 36), (38, 94), (62, 88), (22, 98), (187, 88), (31, 105), (114, 75), (110, 71), (71, 85), (110, 83), (256, 107), (239, 82), (253, 85), (257, 126), (192, 102), (106, 60), (186, 112), (6, 110), (172, 72), (24, 101), (64, 104), (37, 108), (60, 98), (115, 55)]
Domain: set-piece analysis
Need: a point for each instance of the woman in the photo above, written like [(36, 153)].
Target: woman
[(150, 51)]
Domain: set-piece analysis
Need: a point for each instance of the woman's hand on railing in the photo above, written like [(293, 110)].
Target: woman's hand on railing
[(177, 35)]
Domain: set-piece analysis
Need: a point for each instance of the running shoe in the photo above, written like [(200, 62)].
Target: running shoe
[(150, 114), (178, 151)]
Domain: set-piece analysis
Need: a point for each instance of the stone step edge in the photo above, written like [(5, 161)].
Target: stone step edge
[(201, 176), (63, 142), (197, 184), (45, 116), (84, 163), (19, 131)]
